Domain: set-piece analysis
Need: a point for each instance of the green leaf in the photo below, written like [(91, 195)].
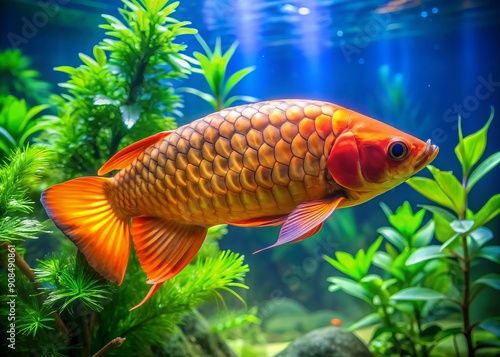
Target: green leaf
[(66, 69), (346, 264), (205, 96), (372, 283), (450, 185), (489, 211), (439, 211), (243, 98), (370, 253), (470, 149), (426, 253), (478, 238), (387, 211), (417, 294), (405, 221), (442, 228), (430, 189), (394, 237), (89, 61), (492, 325), (486, 166), (368, 320), (491, 253), (383, 261), (429, 333), (350, 287), (235, 78), (424, 235), (491, 280), (461, 226), (447, 332), (349, 263), (452, 243), (100, 56)]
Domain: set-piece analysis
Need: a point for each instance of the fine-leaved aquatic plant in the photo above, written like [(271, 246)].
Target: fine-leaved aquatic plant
[(125, 91), (213, 68), (17, 78), (425, 287)]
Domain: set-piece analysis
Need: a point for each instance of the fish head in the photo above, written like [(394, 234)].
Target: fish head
[(369, 157)]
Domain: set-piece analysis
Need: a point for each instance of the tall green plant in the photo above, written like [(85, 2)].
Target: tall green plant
[(461, 231), (417, 292), (400, 297), (124, 92), (213, 67)]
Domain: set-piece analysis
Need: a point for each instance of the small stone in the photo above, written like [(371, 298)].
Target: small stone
[(326, 342)]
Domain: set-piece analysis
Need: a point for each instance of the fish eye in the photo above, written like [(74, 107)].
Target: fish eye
[(398, 150)]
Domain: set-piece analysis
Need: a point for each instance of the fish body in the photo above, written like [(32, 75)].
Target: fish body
[(289, 162)]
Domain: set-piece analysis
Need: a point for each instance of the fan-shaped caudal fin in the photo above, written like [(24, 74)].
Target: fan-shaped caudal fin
[(125, 156), (164, 248), (81, 210), (306, 219)]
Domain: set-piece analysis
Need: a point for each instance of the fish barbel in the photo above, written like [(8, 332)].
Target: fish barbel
[(283, 162)]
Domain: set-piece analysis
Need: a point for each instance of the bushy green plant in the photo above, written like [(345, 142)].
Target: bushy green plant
[(17, 78), (17, 176), (213, 68), (422, 284), (18, 123), (125, 92)]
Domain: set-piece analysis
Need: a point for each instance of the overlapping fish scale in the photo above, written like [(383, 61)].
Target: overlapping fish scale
[(243, 162)]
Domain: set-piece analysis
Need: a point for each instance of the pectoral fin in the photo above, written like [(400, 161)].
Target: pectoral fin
[(306, 219), (261, 221), (164, 248)]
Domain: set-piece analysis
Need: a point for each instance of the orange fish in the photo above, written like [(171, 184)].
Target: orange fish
[(289, 162)]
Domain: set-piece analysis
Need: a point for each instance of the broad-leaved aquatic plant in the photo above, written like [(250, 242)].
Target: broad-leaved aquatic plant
[(422, 283), (214, 69)]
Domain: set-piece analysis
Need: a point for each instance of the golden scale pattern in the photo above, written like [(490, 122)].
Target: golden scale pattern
[(245, 162)]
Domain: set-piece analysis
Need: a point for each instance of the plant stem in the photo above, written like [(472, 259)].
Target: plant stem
[(86, 336), (28, 272), (466, 272), (111, 345), (388, 322)]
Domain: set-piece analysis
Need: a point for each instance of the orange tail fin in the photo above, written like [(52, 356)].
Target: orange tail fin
[(82, 211)]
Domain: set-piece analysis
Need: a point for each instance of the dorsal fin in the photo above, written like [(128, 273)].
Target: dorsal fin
[(125, 156)]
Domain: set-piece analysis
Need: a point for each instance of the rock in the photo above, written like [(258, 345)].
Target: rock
[(194, 339), (326, 342)]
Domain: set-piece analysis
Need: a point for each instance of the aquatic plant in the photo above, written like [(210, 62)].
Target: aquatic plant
[(18, 123), (63, 304), (120, 95), (17, 78), (125, 91), (417, 292), (213, 68), (17, 176)]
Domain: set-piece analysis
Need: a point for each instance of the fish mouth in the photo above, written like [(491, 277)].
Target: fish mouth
[(429, 154)]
